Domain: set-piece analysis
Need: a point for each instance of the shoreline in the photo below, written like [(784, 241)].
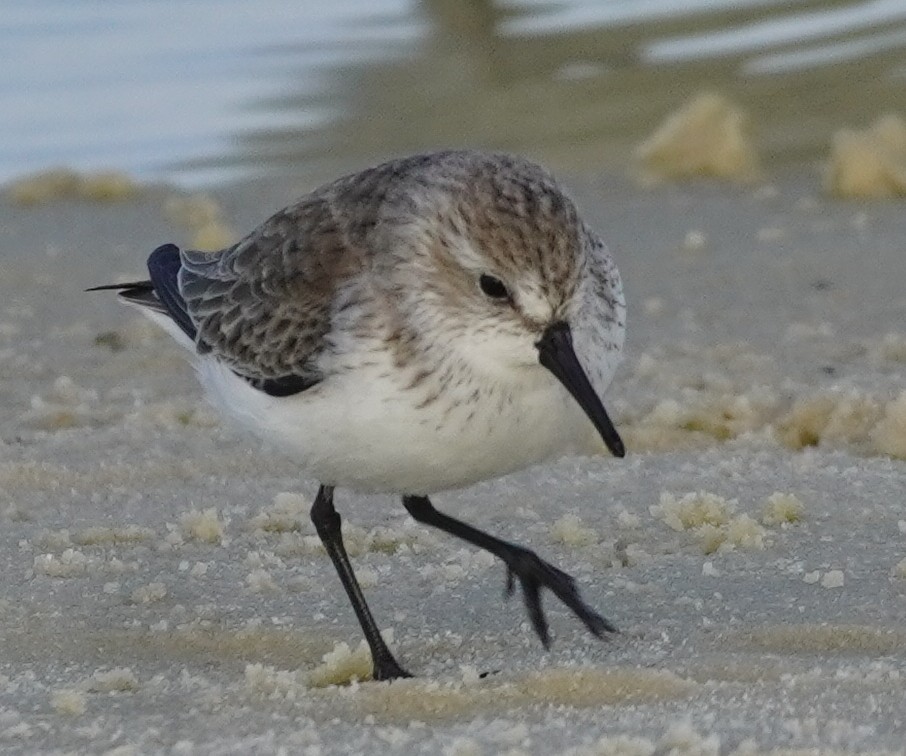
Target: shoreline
[(164, 592)]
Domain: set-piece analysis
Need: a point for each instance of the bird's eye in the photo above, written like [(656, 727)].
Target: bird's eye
[(493, 288)]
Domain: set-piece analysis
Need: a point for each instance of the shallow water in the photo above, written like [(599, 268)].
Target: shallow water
[(206, 90)]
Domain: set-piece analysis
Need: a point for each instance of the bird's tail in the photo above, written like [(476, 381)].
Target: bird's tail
[(139, 293), (159, 297)]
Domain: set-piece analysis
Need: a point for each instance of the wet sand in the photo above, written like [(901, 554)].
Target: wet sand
[(165, 593)]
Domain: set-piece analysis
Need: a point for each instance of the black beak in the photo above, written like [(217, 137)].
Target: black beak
[(556, 353)]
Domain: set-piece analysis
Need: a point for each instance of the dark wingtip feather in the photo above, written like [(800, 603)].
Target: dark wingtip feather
[(161, 293), (163, 266), (119, 287), (139, 292)]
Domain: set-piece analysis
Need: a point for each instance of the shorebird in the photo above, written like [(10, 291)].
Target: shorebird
[(418, 326)]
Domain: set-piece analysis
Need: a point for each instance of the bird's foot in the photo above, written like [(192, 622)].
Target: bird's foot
[(534, 574), (387, 668)]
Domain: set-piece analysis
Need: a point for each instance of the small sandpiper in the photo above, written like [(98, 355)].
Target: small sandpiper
[(418, 326)]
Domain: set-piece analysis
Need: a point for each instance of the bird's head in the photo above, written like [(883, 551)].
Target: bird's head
[(505, 274)]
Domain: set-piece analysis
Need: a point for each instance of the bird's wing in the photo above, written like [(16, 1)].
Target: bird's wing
[(263, 306)]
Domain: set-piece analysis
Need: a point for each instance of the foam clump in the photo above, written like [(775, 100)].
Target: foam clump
[(274, 684), (889, 435), (343, 665), (202, 216), (712, 519), (261, 581), (570, 531), (205, 526), (706, 137), (64, 183), (694, 510), (69, 702), (284, 516), (828, 420), (782, 509), (700, 419), (869, 162), (683, 738), (744, 532), (71, 563), (833, 579)]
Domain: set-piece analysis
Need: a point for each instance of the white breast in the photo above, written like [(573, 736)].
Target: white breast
[(361, 429)]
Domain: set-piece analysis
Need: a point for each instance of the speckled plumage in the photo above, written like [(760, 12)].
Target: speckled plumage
[(264, 306), (418, 326), (372, 279)]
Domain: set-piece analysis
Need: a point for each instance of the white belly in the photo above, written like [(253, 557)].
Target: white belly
[(361, 430)]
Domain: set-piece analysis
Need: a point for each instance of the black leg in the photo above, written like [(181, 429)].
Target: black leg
[(327, 523), (532, 572)]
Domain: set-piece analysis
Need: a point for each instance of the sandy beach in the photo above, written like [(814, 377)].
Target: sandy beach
[(164, 590)]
